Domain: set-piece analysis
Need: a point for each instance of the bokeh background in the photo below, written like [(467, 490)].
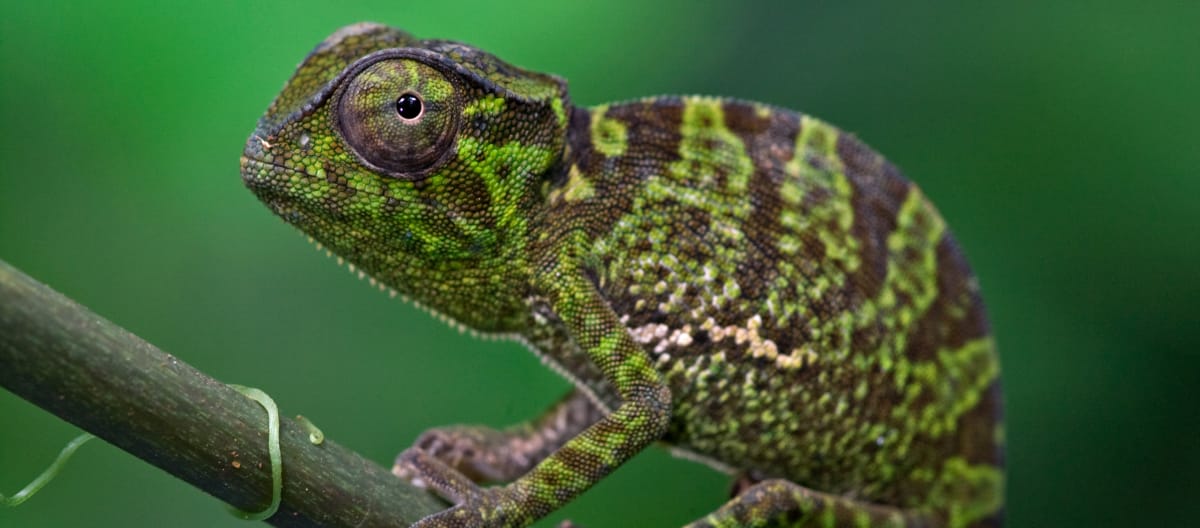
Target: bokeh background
[(1061, 140)]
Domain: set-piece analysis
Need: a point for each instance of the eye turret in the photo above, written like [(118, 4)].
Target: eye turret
[(399, 115)]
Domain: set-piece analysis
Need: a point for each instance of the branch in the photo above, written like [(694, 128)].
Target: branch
[(94, 374)]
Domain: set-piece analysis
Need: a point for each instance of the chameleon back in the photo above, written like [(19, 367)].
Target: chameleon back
[(810, 311)]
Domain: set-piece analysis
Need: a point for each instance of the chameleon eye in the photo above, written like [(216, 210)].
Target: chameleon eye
[(399, 116)]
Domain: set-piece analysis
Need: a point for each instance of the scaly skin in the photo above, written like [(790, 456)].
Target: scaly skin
[(752, 286)]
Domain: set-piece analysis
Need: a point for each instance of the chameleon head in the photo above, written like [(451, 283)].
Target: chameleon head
[(419, 161)]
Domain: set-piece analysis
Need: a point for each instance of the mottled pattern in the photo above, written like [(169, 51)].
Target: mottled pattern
[(750, 285)]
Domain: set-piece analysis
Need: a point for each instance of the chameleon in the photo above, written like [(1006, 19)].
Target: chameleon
[(747, 285)]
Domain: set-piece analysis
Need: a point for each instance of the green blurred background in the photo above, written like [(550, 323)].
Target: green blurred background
[(1059, 140)]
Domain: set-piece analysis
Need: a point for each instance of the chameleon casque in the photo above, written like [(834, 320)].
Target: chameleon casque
[(748, 285)]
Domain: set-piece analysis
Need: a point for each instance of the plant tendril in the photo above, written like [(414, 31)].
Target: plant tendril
[(272, 449), (315, 436), (48, 474)]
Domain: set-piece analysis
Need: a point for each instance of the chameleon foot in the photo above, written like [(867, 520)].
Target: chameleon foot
[(487, 455), (783, 503), (474, 506), (479, 453)]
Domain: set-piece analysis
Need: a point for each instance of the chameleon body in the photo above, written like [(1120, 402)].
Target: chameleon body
[(746, 284)]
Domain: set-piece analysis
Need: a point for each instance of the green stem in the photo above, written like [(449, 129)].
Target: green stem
[(73, 363)]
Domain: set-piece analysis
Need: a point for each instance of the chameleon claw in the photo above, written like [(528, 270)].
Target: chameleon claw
[(426, 471)]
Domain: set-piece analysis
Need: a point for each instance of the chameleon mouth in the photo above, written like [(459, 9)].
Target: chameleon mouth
[(259, 174), (258, 169), (258, 160), (269, 183), (265, 176)]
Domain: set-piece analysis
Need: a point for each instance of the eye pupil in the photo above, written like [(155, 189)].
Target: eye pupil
[(408, 106)]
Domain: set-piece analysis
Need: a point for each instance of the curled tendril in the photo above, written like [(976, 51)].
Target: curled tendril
[(272, 449), (315, 436), (48, 474)]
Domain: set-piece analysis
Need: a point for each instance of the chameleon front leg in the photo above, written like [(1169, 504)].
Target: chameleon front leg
[(780, 503), (641, 418), (483, 454)]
